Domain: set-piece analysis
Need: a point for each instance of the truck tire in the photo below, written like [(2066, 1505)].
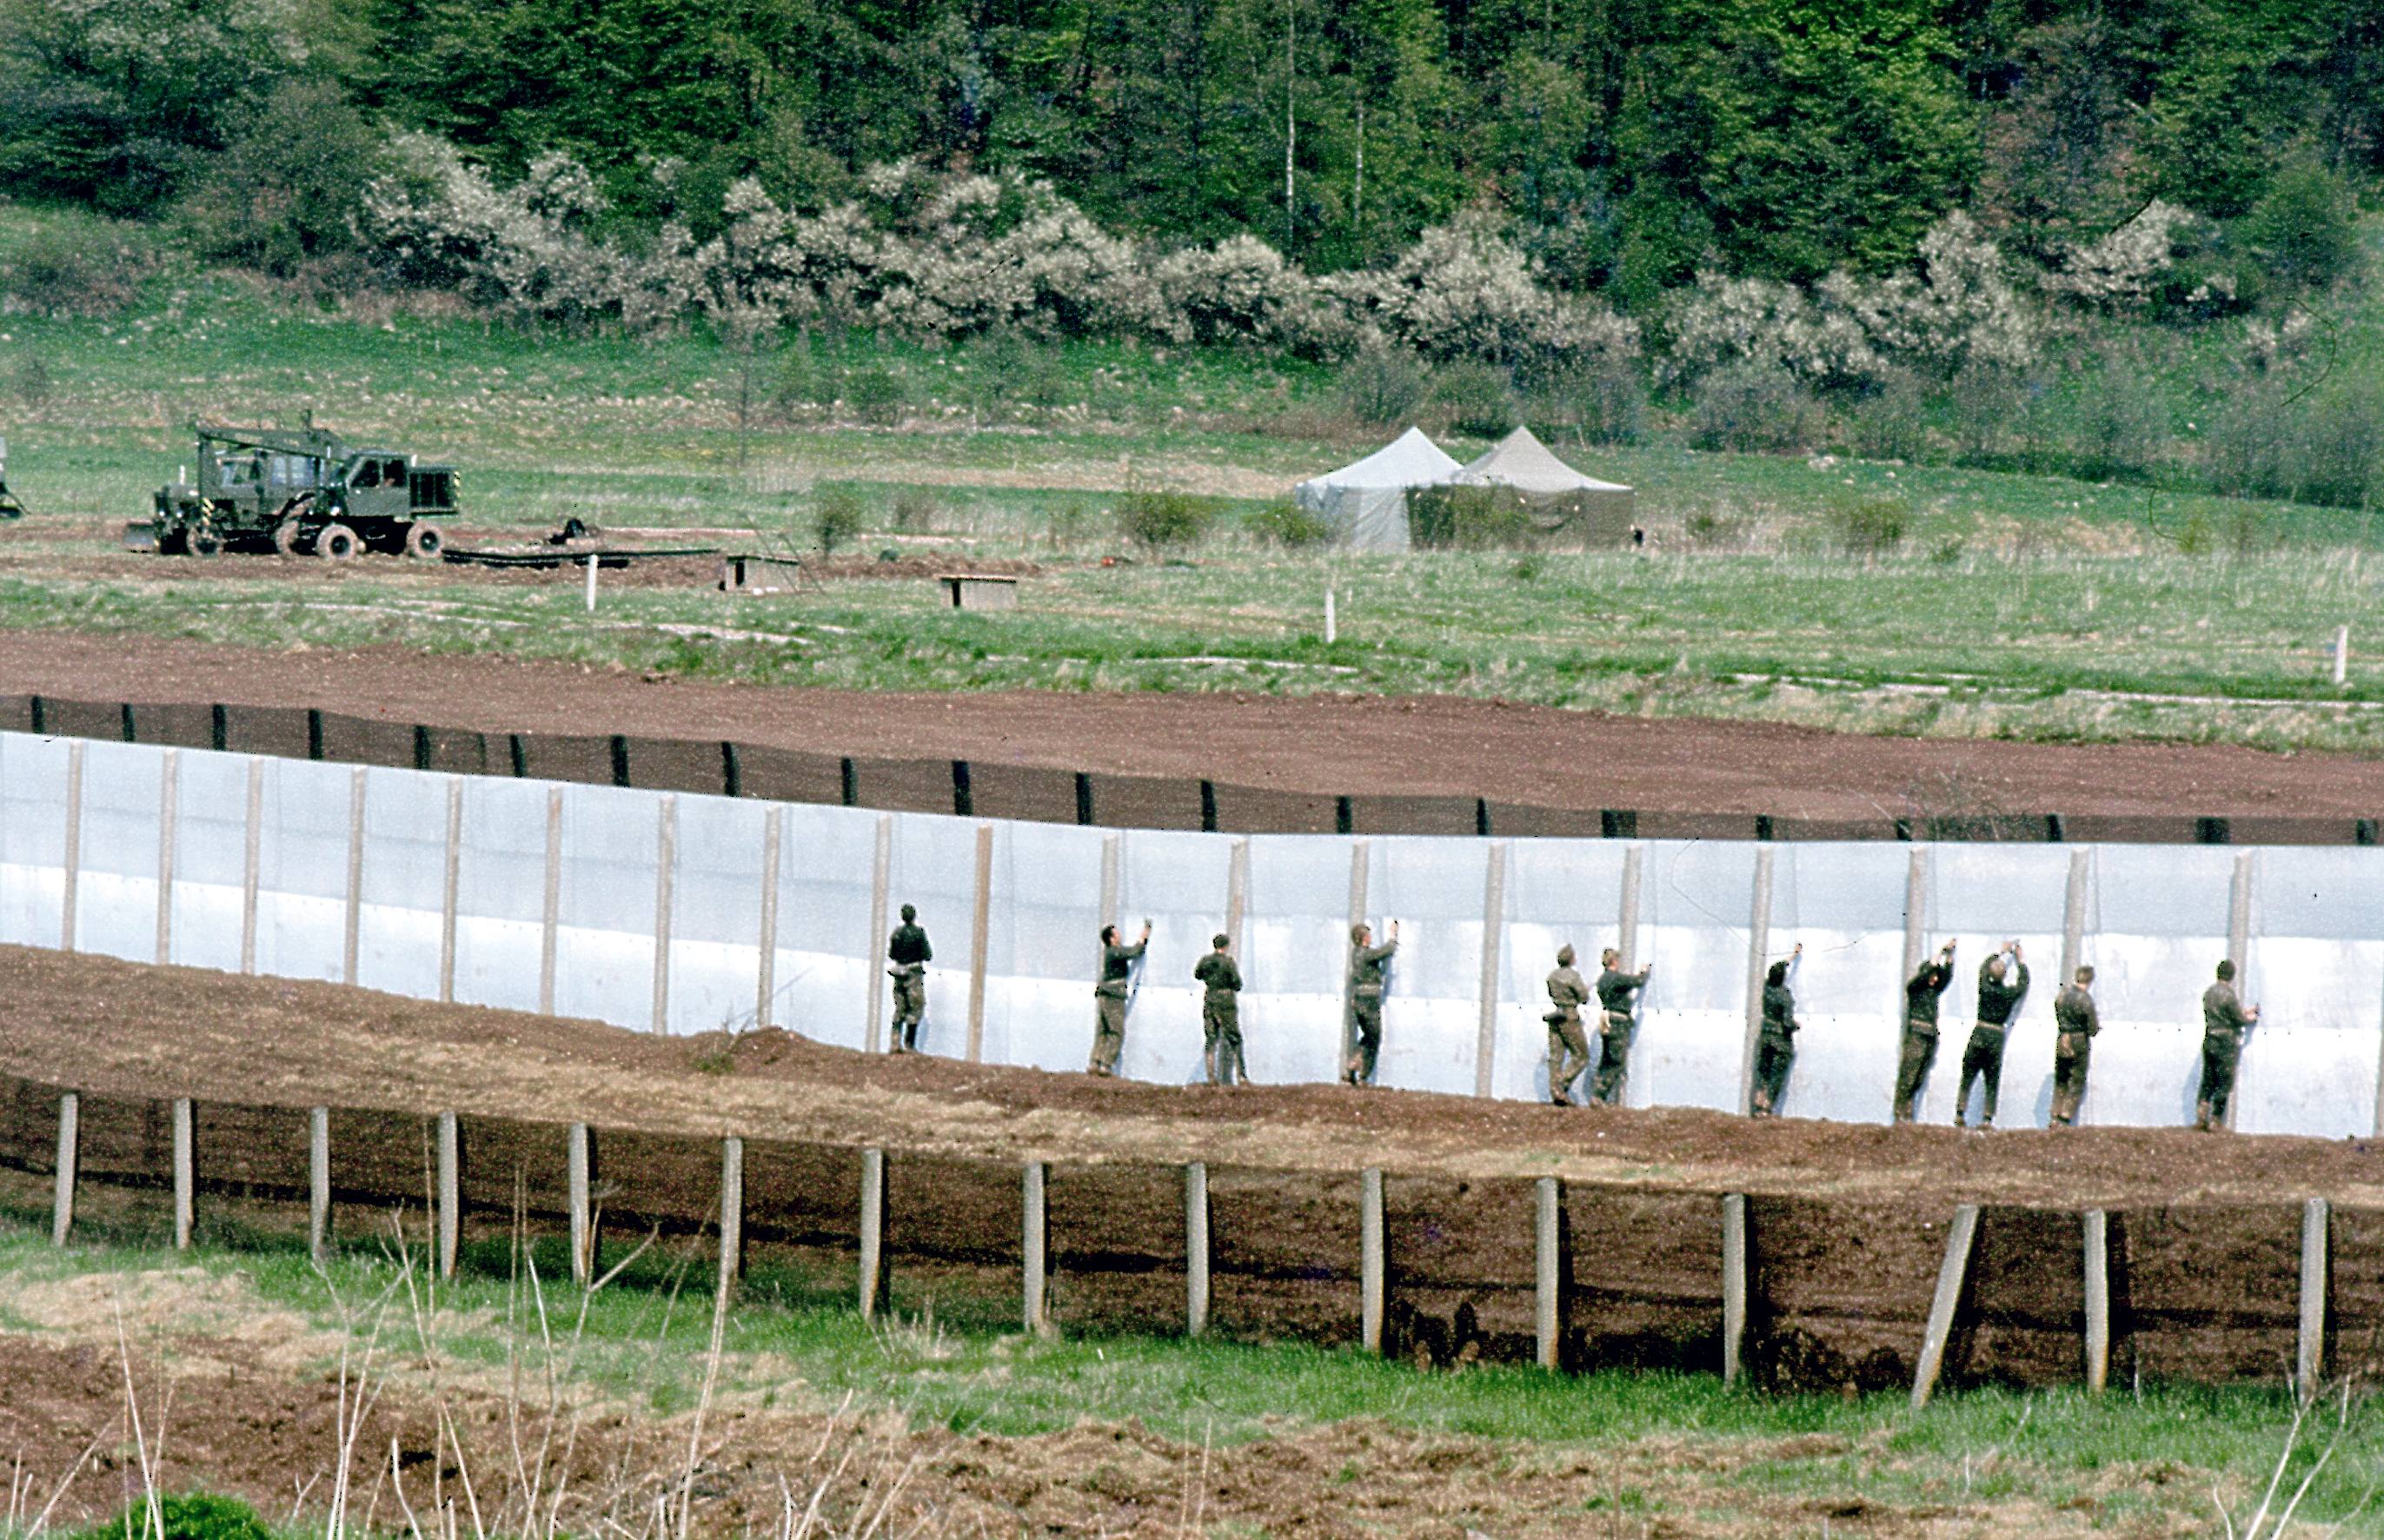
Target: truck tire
[(335, 542), (289, 536), (423, 541), (204, 542)]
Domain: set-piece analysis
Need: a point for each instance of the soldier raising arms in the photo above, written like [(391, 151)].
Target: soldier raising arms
[(2225, 1020), (1366, 961), (1618, 994), (1920, 992), (1775, 1050)]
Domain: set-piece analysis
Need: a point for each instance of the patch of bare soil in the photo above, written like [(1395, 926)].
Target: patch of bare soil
[(1333, 745), (433, 1446), (130, 1030)]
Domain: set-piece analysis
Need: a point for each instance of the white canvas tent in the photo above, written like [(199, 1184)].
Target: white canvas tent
[(1367, 502), (1557, 495)]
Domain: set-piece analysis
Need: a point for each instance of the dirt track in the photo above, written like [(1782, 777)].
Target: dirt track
[(104, 1026), (1418, 745)]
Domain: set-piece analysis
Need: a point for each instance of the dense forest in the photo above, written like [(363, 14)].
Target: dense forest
[(1624, 143), (2113, 241)]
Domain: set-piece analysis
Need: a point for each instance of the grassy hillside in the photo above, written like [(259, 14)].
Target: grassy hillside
[(1875, 595)]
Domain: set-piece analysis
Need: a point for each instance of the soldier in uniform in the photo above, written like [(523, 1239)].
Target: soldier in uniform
[(1616, 997), (907, 948), (1221, 1014), (1568, 1044), (1775, 1048), (1920, 992), (1366, 961), (1110, 996), (2075, 1023), (2224, 1022), (2003, 984)]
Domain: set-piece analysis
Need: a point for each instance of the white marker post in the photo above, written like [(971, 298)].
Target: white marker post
[(591, 582), (2341, 654), (1329, 627)]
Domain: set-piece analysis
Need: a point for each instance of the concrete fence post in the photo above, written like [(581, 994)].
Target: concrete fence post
[(1493, 926), (1372, 1292), (1035, 1248), (1547, 1272), (765, 939), (2238, 946), (2098, 1300), (451, 887), (980, 937), (1196, 1249), (1360, 861), (1758, 946), (550, 917), (2309, 1357), (169, 777), (1237, 893), (352, 928), (62, 1200), (1952, 1280), (2073, 916), (874, 1282), (665, 884), (251, 867), (318, 1183), (186, 1172), (451, 1194), (873, 971), (576, 1178), (732, 1211), (70, 883), (1737, 1276)]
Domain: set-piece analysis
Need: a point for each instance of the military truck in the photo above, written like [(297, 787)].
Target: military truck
[(305, 492)]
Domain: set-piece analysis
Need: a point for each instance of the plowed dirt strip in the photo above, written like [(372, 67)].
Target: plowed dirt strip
[(1369, 746), (109, 1027)]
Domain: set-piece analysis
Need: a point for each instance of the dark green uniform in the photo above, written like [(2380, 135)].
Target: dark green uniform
[(1109, 1005), (1221, 1018), (1775, 1048), (1616, 997), (1998, 1000), (2224, 1021), (2075, 1023), (1920, 992), (907, 948), (1568, 1043), (1366, 1009)]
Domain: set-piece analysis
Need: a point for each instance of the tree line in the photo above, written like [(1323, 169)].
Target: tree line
[(1625, 144)]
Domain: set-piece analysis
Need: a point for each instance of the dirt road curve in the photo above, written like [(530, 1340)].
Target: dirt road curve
[(1420, 745), (108, 1027)]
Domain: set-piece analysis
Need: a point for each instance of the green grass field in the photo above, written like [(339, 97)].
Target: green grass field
[(2008, 605)]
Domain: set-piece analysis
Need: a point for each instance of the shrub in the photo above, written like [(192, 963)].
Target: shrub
[(1892, 423), (1476, 400), (842, 513), (1165, 521), (279, 195), (1286, 523), (1602, 399), (1382, 385), (1755, 407), (31, 380), (2305, 230), (1468, 518), (2342, 449), (193, 1516), (71, 272), (914, 510), (874, 394), (1989, 402), (2121, 427), (1871, 528)]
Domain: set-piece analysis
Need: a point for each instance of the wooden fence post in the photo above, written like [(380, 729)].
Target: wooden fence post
[(577, 1179), (874, 1282), (318, 1183), (1547, 1254), (62, 1200), (2098, 1300), (1196, 1249), (1371, 1259), (1035, 1248), (1953, 1277), (732, 1211), (1736, 1276), (451, 1194), (2309, 1358), (185, 1171)]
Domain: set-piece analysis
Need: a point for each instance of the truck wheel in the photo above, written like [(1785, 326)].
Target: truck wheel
[(173, 542), (288, 536), (335, 542), (424, 542), (205, 543)]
